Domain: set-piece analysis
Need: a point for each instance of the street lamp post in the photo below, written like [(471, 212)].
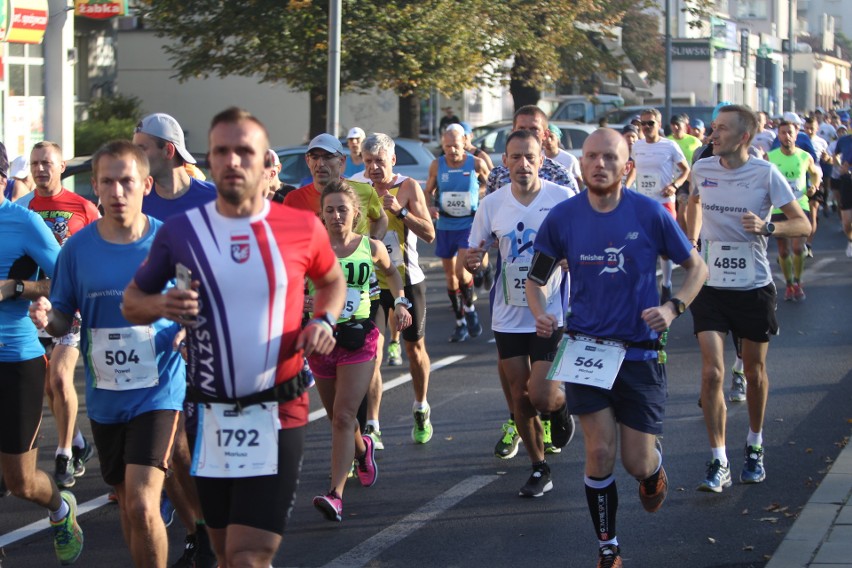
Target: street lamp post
[(668, 60)]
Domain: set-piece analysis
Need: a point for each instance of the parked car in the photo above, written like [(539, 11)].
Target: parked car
[(618, 118), (494, 140), (412, 160)]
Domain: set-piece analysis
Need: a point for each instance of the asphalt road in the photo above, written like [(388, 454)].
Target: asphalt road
[(452, 503)]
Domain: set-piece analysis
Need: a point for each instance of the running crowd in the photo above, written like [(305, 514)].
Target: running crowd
[(206, 311)]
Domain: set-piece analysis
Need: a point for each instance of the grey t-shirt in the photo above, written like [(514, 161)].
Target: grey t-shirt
[(726, 195)]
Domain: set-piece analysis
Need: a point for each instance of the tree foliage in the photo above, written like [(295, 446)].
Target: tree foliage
[(646, 50)]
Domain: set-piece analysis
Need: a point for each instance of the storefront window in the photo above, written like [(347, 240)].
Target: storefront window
[(17, 81)]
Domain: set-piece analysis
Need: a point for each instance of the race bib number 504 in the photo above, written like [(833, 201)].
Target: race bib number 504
[(123, 358)]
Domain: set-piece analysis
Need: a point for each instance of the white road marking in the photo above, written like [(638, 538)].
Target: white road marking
[(375, 545), (38, 526)]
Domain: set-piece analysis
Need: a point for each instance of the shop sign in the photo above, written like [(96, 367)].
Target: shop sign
[(27, 21), (100, 9)]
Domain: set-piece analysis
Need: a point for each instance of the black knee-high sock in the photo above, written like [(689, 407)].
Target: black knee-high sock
[(456, 302), (602, 498), (466, 293)]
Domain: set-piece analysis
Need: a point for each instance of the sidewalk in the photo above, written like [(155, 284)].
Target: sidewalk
[(821, 537)]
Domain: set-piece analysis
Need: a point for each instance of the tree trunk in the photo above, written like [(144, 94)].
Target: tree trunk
[(409, 117), (523, 93), (319, 111)]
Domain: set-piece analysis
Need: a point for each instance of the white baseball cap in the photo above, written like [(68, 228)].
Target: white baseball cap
[(20, 168), (166, 128), (356, 132), (792, 117)]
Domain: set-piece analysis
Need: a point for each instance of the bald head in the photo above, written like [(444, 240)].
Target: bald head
[(604, 161)]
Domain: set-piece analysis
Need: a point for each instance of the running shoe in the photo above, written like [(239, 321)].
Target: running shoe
[(539, 482), (507, 447), (64, 472), (330, 505), (753, 471), (459, 334), (422, 431), (394, 354), (718, 477), (665, 294), (652, 492), (67, 534), (738, 387), (204, 556), (376, 435), (167, 509), (368, 471), (561, 427), (112, 497), (81, 456), (190, 549), (547, 438), (789, 293), (798, 293), (609, 556), (849, 250), (473, 325), (808, 250)]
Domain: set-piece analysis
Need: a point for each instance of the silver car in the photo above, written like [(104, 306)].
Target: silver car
[(412, 160), (494, 140)]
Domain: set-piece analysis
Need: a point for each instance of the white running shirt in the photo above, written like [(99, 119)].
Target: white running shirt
[(656, 167)]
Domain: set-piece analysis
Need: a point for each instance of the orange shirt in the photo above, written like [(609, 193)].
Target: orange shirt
[(65, 213)]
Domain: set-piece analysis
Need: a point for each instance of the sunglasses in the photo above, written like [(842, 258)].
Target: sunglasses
[(647, 122)]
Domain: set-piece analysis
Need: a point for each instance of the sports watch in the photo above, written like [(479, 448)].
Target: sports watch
[(770, 228), (19, 289), (679, 306), (402, 213), (402, 300)]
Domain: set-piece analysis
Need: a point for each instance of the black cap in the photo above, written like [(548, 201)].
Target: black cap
[(4, 161), (679, 118), (630, 128)]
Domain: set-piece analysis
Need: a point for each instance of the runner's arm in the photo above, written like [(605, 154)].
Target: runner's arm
[(660, 318), (418, 218), (141, 308), (379, 225)]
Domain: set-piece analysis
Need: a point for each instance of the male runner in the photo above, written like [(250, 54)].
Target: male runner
[(135, 380), (732, 195), (26, 244), (610, 359), (244, 255), (65, 213)]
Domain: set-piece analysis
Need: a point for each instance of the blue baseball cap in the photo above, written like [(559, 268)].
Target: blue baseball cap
[(466, 127), (696, 123), (844, 116), (718, 107)]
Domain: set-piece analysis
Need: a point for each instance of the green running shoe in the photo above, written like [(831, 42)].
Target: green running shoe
[(67, 534)]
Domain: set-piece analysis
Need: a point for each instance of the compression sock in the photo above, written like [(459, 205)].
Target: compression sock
[(456, 303), (798, 266), (787, 267), (602, 499), (466, 290)]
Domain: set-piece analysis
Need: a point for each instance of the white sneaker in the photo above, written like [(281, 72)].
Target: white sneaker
[(849, 249)]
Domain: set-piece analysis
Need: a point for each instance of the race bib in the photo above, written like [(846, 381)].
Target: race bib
[(456, 203), (391, 241), (589, 361), (123, 358), (236, 443), (515, 283), (353, 300), (731, 265), (649, 184)]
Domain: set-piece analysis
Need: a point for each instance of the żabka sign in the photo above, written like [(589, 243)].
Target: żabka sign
[(27, 21), (100, 9)]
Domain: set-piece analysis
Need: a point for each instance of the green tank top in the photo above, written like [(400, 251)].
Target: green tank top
[(795, 169), (357, 268)]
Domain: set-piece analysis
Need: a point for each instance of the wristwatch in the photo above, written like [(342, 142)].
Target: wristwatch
[(679, 306), (402, 213), (19, 289), (402, 300), (770, 228), (326, 318)]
